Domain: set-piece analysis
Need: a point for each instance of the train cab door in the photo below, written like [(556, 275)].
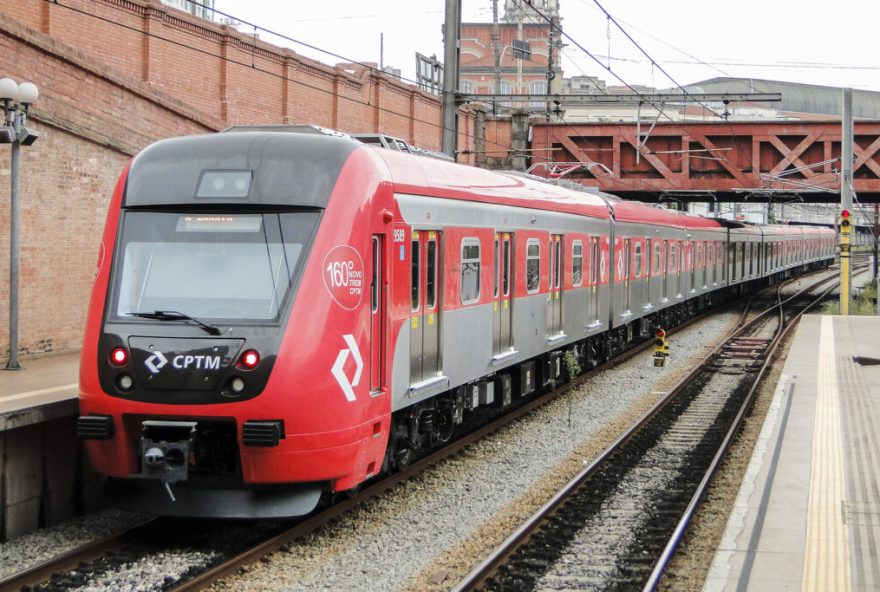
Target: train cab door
[(379, 305), (554, 295), (425, 315), (502, 305)]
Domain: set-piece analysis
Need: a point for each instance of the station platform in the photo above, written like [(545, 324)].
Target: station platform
[(44, 389), (807, 516)]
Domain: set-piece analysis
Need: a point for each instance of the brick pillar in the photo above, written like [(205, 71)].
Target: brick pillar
[(224, 76), (519, 140), (480, 136), (46, 18), (286, 80), (153, 15)]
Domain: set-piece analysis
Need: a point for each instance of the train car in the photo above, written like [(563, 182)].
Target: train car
[(266, 301), (280, 315)]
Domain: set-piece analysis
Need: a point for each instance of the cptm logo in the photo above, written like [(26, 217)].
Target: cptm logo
[(338, 370), (156, 362), (182, 362)]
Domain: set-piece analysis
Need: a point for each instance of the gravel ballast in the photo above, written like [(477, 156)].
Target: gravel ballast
[(428, 532)]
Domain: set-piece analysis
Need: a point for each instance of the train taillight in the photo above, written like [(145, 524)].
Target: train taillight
[(249, 359), (119, 356)]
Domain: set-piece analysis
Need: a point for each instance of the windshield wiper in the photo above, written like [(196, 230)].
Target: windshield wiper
[(173, 315)]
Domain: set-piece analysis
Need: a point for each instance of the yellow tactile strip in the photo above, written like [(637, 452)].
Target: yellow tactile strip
[(826, 563)]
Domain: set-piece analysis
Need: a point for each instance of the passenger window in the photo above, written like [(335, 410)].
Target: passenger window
[(505, 276), (416, 272), (577, 263), (495, 273), (470, 270), (431, 275), (638, 260), (533, 265)]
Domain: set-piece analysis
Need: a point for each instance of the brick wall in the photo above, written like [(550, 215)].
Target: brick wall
[(116, 75)]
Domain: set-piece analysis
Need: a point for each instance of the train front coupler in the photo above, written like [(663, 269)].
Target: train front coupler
[(165, 451)]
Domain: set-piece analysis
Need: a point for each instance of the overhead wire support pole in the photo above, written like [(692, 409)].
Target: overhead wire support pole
[(451, 34), (846, 159)]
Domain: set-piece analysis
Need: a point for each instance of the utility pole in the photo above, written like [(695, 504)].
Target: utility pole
[(451, 34), (846, 158), (551, 74), (496, 45)]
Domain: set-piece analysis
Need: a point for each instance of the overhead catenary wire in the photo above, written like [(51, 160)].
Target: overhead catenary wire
[(652, 60)]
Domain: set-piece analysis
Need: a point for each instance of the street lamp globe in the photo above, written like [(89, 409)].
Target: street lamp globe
[(8, 89), (27, 93)]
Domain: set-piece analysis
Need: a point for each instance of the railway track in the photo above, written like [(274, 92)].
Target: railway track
[(66, 562), (618, 523), (232, 562), (76, 567)]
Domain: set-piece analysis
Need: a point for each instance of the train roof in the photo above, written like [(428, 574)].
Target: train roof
[(455, 181), (642, 213), (302, 169), (437, 178), (283, 168)]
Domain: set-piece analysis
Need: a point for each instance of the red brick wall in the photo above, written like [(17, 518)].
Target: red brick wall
[(116, 75), (478, 56)]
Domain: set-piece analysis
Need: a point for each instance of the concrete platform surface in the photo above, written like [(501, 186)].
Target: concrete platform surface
[(43, 389), (807, 516)]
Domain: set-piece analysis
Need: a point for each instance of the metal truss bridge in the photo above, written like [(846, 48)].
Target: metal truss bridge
[(719, 161)]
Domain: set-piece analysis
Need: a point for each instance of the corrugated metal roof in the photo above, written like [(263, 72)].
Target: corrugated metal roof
[(803, 98)]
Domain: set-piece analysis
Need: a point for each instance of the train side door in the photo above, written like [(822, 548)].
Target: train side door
[(595, 258), (425, 306), (554, 295), (379, 305), (625, 275), (503, 304)]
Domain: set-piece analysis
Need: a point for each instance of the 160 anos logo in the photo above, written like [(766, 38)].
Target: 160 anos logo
[(344, 276), (157, 361)]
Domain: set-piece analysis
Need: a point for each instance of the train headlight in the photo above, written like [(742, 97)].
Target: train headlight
[(124, 382), (236, 385), (119, 356), (249, 359)]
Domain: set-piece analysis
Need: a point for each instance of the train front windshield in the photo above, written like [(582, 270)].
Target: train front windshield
[(238, 267)]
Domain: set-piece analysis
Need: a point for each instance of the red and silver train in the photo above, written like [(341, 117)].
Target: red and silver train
[(281, 314)]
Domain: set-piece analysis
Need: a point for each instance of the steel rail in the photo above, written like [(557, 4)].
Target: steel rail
[(480, 574), (68, 560), (233, 564), (703, 487)]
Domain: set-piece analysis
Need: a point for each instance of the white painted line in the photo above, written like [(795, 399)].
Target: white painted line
[(74, 386)]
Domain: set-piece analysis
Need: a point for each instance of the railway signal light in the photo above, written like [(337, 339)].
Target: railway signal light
[(661, 347), (845, 222)]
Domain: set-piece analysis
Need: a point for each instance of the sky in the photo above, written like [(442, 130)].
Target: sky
[(825, 43)]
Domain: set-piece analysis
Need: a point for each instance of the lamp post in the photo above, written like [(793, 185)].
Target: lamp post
[(16, 99)]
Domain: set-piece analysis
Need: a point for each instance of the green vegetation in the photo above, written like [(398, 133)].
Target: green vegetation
[(863, 303)]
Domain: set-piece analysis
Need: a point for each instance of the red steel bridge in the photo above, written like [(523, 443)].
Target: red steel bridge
[(723, 161)]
